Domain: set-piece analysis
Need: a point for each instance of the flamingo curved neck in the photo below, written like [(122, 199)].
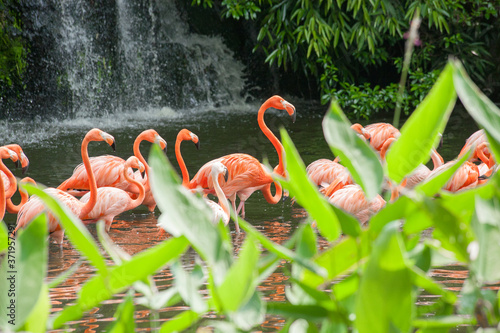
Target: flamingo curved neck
[(87, 207), (2, 192), (137, 153), (274, 140), (220, 195), (272, 199), (142, 191), (182, 164), (13, 208), (437, 160)]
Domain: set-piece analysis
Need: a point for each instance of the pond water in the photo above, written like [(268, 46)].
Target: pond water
[(53, 148)]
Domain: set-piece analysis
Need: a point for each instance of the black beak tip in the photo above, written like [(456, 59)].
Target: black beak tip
[(143, 174), (16, 163), (165, 150), (197, 144), (226, 176), (294, 116), (113, 145), (25, 169)]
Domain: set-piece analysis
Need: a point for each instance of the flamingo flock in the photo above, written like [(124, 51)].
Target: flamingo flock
[(109, 186)]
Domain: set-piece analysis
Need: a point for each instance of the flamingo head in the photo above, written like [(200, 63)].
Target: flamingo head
[(219, 168), (96, 134), (185, 134), (152, 136), (8, 153), (133, 162), (361, 130), (21, 157), (280, 103)]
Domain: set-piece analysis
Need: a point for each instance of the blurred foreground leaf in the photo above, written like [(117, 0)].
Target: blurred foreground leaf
[(359, 158)]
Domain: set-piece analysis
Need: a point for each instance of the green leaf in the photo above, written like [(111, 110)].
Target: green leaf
[(3, 236), (484, 111), (307, 312), (183, 213), (420, 133), (241, 280), (251, 314), (180, 322), (486, 226), (355, 154), (386, 297), (75, 230), (306, 193), (124, 316), (99, 288), (339, 259), (443, 322), (37, 320), (188, 285), (23, 272)]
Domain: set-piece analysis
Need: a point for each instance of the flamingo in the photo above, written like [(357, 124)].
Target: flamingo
[(479, 142), (4, 154), (351, 199), (108, 169), (219, 210), (246, 173), (467, 176), (35, 206), (325, 171), (112, 201), (10, 183), (377, 133)]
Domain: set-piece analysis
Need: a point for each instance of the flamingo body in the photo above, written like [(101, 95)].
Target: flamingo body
[(351, 198)]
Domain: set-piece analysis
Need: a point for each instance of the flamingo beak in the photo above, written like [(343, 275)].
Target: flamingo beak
[(226, 175), (16, 163), (113, 145), (25, 169), (294, 116), (197, 144)]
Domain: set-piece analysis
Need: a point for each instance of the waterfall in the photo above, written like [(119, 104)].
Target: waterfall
[(126, 55)]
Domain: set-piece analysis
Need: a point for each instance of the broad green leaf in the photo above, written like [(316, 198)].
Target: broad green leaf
[(188, 285), (307, 312), (420, 133), (339, 259), (306, 193), (241, 280), (279, 250), (437, 181), (443, 322), (453, 233), (180, 322), (399, 209), (75, 230), (251, 314), (37, 320), (486, 226), (124, 316), (99, 288), (359, 158), (185, 214), (3, 236), (386, 297), (484, 111), (22, 272)]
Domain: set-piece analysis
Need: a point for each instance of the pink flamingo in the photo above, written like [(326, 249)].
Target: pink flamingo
[(479, 142), (325, 171), (112, 201), (351, 199), (35, 206), (467, 176), (108, 169), (10, 183), (219, 210), (246, 173), (4, 154)]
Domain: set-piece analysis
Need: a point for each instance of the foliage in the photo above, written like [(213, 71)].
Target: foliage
[(367, 280), (12, 47), (350, 46)]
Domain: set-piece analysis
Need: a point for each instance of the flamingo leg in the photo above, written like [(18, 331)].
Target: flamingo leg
[(58, 236)]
